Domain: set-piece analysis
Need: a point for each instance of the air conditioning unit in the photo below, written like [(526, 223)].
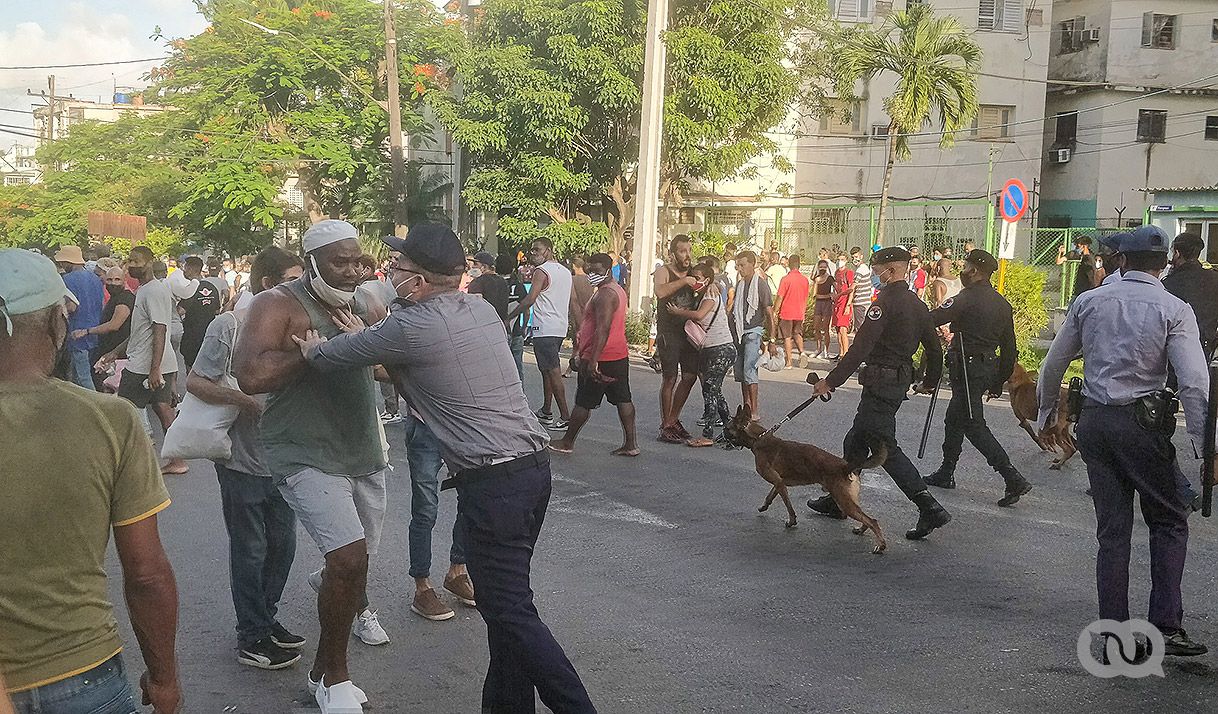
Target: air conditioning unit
[(879, 130), (1060, 156), (1092, 35)]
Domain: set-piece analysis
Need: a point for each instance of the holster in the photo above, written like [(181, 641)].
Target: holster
[(875, 375), (1074, 400), (1156, 412)]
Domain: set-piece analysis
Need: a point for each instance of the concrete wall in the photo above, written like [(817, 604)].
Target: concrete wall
[(1196, 55)]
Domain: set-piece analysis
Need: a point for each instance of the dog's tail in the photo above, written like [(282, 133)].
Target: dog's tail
[(879, 454)]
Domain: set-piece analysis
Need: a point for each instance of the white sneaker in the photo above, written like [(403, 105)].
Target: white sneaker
[(342, 698), (359, 693), (368, 628)]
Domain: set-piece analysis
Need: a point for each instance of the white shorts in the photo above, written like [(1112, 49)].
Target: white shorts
[(338, 510)]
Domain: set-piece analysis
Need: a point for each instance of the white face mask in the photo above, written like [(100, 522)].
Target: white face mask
[(841, 263), (474, 272), (325, 292)]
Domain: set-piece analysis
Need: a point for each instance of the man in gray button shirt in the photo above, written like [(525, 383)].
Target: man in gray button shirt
[(449, 356)]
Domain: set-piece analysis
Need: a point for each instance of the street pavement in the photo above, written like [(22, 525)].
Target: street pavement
[(671, 593)]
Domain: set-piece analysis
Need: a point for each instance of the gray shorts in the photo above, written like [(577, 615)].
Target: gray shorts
[(338, 510)]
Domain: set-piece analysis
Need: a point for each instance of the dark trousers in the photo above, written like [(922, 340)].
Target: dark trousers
[(876, 423), (501, 516), (1122, 458), (957, 425), (261, 546)]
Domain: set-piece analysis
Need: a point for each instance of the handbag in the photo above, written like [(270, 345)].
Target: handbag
[(695, 332), (200, 430)]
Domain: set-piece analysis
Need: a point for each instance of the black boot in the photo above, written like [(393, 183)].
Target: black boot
[(826, 506), (1017, 486), (1177, 643), (931, 516), (943, 478)]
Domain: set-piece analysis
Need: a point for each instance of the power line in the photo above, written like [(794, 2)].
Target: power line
[(85, 64), (20, 133), (16, 111)]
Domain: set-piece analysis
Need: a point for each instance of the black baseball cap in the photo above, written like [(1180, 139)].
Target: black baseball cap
[(895, 254), (431, 246), (985, 262)]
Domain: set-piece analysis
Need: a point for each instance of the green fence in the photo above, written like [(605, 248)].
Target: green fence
[(808, 228)]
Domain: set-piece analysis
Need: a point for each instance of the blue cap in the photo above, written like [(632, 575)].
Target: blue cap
[(29, 282), (1147, 239), (1114, 241)]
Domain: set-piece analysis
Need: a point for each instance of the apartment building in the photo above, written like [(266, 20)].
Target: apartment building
[(1133, 106)]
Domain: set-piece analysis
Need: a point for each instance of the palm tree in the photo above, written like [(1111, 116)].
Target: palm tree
[(935, 61), (425, 194)]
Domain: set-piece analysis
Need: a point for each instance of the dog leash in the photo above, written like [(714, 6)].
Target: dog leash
[(812, 378)]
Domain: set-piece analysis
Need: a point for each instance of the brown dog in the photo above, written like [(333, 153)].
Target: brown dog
[(789, 463), (1022, 388)]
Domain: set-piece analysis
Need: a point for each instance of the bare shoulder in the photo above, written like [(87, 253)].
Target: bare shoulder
[(277, 305)]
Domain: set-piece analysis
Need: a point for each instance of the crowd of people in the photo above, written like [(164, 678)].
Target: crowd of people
[(305, 361)]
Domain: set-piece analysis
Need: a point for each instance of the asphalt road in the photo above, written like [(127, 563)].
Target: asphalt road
[(671, 593)]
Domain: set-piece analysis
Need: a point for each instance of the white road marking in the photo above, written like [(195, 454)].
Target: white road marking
[(604, 507)]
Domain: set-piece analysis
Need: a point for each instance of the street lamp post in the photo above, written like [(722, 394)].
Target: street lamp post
[(651, 133)]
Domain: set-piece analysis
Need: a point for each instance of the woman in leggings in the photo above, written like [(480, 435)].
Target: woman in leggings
[(718, 351)]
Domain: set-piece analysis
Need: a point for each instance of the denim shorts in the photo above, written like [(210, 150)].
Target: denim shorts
[(101, 690), (746, 358)]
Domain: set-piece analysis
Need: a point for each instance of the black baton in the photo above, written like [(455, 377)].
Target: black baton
[(812, 378), (1207, 449), (930, 415)]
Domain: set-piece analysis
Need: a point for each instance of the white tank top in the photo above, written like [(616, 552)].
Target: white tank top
[(550, 310)]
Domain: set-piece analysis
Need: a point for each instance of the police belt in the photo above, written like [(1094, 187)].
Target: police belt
[(873, 375), (954, 358), (1155, 413), (466, 477)]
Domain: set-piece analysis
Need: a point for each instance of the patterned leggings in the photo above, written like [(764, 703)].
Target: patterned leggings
[(716, 361)]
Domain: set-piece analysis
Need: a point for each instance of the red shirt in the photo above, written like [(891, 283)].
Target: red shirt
[(793, 289), (615, 345)]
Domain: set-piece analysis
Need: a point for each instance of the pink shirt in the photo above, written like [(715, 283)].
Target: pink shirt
[(793, 290), (615, 345)]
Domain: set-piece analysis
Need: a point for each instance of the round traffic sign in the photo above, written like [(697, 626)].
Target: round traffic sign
[(1014, 200)]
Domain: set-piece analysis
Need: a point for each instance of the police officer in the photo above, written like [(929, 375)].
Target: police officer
[(893, 327), (1196, 285), (979, 361), (1128, 333)]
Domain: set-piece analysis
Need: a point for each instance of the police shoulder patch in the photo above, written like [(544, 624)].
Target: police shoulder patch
[(875, 313), (948, 302)]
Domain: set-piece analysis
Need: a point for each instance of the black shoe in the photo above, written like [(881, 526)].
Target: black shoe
[(826, 506), (1016, 488), (930, 516), (942, 478), (265, 654), (284, 639), (1177, 644), (1141, 652)]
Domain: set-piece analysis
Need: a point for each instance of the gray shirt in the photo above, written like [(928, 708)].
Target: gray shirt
[(1127, 333), (153, 306), (450, 359), (215, 363)]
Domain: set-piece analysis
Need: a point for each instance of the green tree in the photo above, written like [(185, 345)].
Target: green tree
[(254, 107), (550, 98), (425, 194), (935, 61)]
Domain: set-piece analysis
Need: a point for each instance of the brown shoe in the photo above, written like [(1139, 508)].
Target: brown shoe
[(427, 604), (462, 588)]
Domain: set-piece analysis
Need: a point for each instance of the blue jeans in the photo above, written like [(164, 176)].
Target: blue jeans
[(102, 690), (423, 458), (517, 345), (502, 516), (82, 369), (261, 547)]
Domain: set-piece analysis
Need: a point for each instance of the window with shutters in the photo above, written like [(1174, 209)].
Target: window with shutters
[(1067, 130), (993, 121), (843, 119), (1070, 35), (851, 10), (1152, 126), (1001, 15), (1159, 31), (1211, 128)]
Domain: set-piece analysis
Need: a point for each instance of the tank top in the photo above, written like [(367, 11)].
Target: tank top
[(326, 421), (953, 286), (666, 322), (824, 290), (615, 345), (550, 311)]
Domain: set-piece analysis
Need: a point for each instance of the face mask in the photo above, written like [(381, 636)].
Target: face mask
[(595, 279), (841, 263), (474, 272), (325, 292), (137, 273), (113, 290)]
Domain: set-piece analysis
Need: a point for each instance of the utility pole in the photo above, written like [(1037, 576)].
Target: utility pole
[(651, 133), (397, 155), (51, 105)]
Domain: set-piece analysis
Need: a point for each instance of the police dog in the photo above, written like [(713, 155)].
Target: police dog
[(788, 463), (1022, 388)]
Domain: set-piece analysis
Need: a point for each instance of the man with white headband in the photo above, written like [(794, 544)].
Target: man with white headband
[(322, 441)]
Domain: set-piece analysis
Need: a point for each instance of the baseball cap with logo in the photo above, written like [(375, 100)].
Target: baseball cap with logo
[(29, 282)]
